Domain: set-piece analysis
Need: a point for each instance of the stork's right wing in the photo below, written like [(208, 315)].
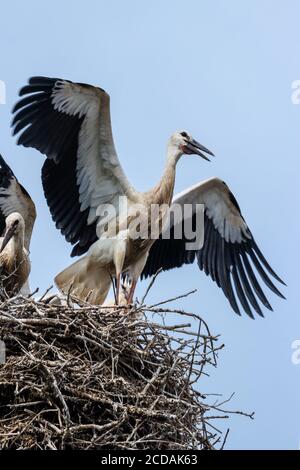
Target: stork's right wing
[(15, 198), (229, 255), (70, 124)]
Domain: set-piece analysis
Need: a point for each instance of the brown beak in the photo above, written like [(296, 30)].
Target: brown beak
[(8, 235)]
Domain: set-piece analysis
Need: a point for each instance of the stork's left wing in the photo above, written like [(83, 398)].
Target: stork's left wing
[(70, 123), (229, 254), (15, 198)]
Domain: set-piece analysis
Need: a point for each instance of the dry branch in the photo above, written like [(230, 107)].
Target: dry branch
[(103, 378)]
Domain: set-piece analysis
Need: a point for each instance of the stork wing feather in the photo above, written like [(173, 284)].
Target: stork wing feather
[(229, 254), (70, 123), (15, 198)]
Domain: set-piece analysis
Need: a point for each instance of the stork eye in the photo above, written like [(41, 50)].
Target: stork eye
[(16, 222), (184, 134)]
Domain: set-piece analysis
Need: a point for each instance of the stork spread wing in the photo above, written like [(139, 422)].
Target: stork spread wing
[(70, 124), (15, 198), (229, 254)]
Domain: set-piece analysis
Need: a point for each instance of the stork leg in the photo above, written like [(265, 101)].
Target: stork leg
[(131, 292), (119, 257), (118, 283), (135, 272)]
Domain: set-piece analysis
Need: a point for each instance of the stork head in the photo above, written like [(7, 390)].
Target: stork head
[(15, 227), (184, 143)]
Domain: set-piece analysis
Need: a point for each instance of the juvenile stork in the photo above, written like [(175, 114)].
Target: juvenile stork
[(70, 123), (17, 217)]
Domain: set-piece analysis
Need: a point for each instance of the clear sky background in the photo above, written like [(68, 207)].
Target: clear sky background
[(222, 70)]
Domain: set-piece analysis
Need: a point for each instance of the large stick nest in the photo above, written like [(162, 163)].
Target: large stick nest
[(95, 378)]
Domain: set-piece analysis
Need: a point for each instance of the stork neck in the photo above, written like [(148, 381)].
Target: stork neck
[(173, 155), (165, 187)]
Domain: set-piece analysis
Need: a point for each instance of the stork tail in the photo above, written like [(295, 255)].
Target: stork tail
[(84, 281)]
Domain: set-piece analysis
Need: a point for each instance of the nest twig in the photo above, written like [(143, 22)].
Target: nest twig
[(103, 378)]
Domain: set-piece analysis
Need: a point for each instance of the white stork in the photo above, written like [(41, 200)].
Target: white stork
[(70, 123), (17, 217)]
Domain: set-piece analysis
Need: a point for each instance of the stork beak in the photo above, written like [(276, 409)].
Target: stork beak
[(8, 235), (195, 147)]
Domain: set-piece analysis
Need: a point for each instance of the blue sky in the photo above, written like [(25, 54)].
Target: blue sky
[(223, 70)]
